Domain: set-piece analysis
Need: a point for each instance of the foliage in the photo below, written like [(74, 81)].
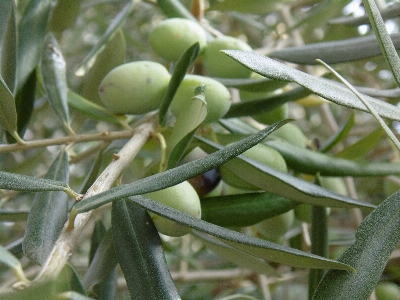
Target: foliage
[(65, 156)]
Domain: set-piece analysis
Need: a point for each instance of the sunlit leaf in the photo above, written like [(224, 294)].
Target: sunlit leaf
[(53, 70), (327, 89)]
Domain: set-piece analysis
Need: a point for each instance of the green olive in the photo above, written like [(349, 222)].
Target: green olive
[(387, 291), (292, 134), (260, 153), (172, 37), (134, 88), (218, 64), (217, 97), (273, 229), (182, 197)]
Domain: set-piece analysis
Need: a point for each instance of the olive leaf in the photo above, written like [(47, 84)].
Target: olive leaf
[(47, 215), (327, 89), (311, 162), (53, 71), (181, 67), (10, 260), (376, 238), (333, 52), (8, 113), (243, 210), (339, 135), (140, 253), (248, 244), (31, 33), (252, 84), (116, 24)]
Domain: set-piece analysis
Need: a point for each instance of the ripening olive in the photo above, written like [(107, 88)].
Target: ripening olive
[(218, 64), (134, 88), (182, 197), (261, 153), (217, 97), (172, 37), (387, 291)]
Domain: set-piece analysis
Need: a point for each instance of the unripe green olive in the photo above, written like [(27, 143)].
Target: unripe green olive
[(269, 117), (261, 153), (292, 134), (172, 37), (387, 291), (273, 229), (134, 88), (334, 184), (182, 197), (217, 97), (218, 64)]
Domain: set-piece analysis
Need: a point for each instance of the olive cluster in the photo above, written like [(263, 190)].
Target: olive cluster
[(138, 88)]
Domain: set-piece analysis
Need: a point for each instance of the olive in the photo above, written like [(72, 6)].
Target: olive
[(182, 197), (134, 88), (218, 64), (273, 229), (172, 37), (387, 291), (292, 134)]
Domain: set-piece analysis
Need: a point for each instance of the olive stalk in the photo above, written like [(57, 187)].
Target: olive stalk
[(69, 235)]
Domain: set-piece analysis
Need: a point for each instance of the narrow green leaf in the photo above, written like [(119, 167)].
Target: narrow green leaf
[(264, 105), (243, 209), (53, 71), (186, 126), (8, 113), (252, 84), (363, 146), (110, 57), (24, 101), (5, 10), (98, 233), (255, 7), (47, 215), (116, 24), (174, 176), (385, 42), (389, 12), (327, 89), (140, 253), (376, 238), (311, 162), (175, 9), (17, 182), (181, 67), (239, 297), (338, 136), (282, 184), (92, 110), (9, 51), (8, 259), (319, 242), (251, 245), (239, 258), (31, 34), (333, 52), (64, 15), (68, 280), (102, 265), (13, 216)]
